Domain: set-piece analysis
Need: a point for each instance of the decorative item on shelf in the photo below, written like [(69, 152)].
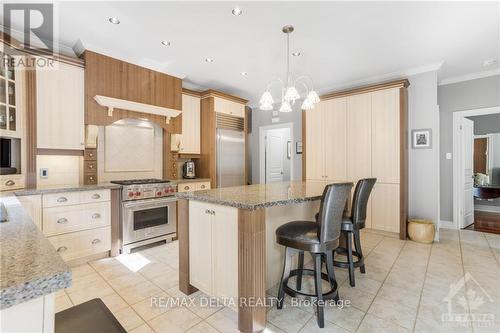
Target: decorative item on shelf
[(421, 231), (421, 138), (289, 91)]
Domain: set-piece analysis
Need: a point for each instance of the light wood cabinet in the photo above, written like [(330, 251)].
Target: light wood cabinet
[(359, 139), (60, 107), (213, 248), (33, 206), (11, 182), (315, 143), (190, 138), (335, 136), (193, 186), (222, 105), (385, 207)]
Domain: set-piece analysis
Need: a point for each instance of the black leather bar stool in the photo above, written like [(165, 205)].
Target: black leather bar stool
[(319, 239), (351, 226)]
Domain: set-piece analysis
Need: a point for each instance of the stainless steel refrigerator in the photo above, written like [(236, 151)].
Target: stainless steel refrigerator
[(230, 157)]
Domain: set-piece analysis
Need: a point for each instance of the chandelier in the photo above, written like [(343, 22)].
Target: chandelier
[(289, 91)]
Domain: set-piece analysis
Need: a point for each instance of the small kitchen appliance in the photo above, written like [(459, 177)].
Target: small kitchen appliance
[(188, 170)]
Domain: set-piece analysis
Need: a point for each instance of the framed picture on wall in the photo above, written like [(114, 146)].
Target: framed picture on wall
[(421, 138)]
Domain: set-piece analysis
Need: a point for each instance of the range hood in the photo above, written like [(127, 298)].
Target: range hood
[(116, 103)]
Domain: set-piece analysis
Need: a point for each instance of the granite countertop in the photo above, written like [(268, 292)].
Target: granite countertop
[(258, 196), (30, 267), (192, 180), (66, 188)]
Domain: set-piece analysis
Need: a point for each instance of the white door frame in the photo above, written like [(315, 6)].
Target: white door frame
[(262, 150), (458, 158)]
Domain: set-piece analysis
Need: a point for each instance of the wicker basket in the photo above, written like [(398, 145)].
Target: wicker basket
[(422, 231)]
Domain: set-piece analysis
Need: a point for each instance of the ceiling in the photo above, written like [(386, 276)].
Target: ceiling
[(341, 43)]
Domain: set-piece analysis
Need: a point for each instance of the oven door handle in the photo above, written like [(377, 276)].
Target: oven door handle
[(150, 203)]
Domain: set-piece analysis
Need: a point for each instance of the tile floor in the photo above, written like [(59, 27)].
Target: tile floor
[(406, 288)]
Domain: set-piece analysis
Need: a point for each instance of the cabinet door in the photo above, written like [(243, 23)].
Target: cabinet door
[(335, 139), (225, 251), (33, 206), (60, 107), (359, 137), (200, 246), (315, 157), (385, 207), (190, 139), (386, 136), (229, 107)]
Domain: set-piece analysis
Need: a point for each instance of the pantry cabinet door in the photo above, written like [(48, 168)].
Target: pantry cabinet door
[(335, 139), (315, 157), (200, 246), (60, 107), (385, 207), (190, 138), (359, 137)]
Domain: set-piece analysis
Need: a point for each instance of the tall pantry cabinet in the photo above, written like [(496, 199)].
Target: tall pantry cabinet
[(359, 134)]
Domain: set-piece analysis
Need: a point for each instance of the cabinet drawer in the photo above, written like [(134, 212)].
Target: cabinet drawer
[(74, 198), (90, 154), (82, 243), (203, 186), (90, 178), (59, 220), (186, 187), (90, 166), (11, 182)]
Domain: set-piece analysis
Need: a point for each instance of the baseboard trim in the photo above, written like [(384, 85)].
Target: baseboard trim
[(447, 225), (484, 208)]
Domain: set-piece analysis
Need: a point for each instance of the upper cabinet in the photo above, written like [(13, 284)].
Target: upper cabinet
[(190, 137), (60, 107), (232, 108), (10, 85)]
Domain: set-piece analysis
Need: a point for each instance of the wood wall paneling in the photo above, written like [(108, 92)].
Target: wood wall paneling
[(115, 222), (31, 124), (205, 165), (183, 235), (403, 162)]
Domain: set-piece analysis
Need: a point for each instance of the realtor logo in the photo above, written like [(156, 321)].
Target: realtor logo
[(475, 296), (36, 22)]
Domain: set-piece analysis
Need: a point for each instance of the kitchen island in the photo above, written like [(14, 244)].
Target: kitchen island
[(227, 245)]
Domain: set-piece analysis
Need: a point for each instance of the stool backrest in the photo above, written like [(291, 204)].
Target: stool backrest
[(360, 200), (331, 211)]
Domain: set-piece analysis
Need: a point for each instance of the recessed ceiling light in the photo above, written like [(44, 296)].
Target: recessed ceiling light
[(114, 20), (244, 73), (165, 42), (296, 54), (489, 62), (237, 11), (209, 60)]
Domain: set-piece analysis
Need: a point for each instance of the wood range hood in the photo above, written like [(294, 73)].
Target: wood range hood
[(112, 103)]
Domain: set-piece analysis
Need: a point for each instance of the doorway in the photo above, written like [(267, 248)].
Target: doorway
[(276, 158), (476, 176)]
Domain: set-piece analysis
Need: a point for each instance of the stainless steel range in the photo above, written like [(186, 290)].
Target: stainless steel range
[(149, 212)]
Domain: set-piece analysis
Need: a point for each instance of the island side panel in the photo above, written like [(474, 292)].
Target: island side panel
[(183, 234), (251, 269)]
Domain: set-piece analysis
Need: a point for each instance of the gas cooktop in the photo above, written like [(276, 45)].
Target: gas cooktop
[(140, 181)]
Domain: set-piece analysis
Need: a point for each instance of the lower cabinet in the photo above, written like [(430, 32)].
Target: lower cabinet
[(80, 244), (193, 186), (33, 206), (213, 249), (385, 207)]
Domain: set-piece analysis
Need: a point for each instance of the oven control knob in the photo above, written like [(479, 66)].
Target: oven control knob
[(171, 190), (137, 193), (130, 194), (165, 190), (159, 193)]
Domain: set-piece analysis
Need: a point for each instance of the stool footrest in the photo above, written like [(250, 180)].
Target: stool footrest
[(331, 294), (344, 264)]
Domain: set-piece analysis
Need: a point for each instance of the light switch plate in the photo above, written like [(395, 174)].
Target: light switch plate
[(275, 120), (44, 173), (448, 156)]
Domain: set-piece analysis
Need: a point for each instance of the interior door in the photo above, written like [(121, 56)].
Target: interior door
[(274, 156), (467, 139)]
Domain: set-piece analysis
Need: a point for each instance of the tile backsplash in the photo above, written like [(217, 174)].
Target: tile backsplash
[(62, 170)]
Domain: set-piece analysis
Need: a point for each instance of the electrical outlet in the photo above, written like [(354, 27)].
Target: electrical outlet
[(448, 156), (44, 173)]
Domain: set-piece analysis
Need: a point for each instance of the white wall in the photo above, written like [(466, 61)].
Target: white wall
[(424, 163)]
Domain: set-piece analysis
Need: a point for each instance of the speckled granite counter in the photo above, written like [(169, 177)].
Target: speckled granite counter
[(258, 196), (66, 188), (30, 267)]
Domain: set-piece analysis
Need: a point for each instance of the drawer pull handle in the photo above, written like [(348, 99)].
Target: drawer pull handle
[(186, 187), (62, 199), (96, 241), (96, 196), (62, 249), (62, 220), (96, 216), (202, 186), (10, 182)]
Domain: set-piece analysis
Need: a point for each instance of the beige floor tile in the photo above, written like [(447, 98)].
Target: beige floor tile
[(174, 320), (62, 303), (364, 283), (398, 295), (126, 281), (270, 328), (144, 328), (430, 319), (202, 327), (128, 318), (359, 299), (225, 321), (103, 264), (155, 269), (312, 327), (394, 312), (82, 270), (115, 272), (371, 324), (138, 292), (83, 282), (97, 290), (290, 319), (114, 302), (347, 317), (166, 282), (405, 280), (154, 306)]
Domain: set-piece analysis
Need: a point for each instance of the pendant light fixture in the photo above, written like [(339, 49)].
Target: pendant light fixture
[(289, 91)]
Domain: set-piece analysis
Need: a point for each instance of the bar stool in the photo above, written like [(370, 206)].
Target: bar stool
[(319, 239), (351, 226)]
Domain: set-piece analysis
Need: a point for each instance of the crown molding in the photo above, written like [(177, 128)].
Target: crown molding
[(468, 77)]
